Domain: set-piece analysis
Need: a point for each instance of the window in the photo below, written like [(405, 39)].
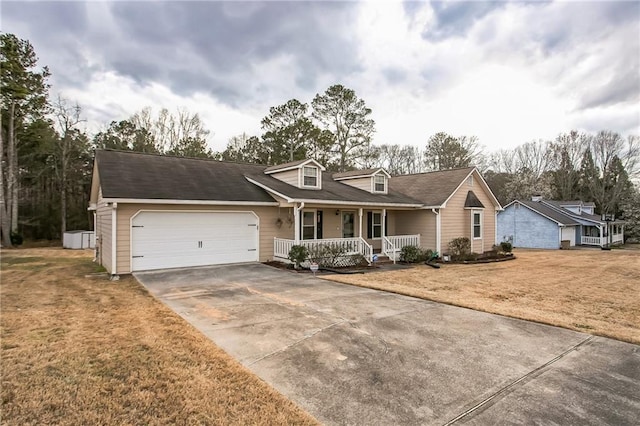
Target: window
[(477, 225), (470, 181), (308, 225), (310, 176), (379, 183), (376, 225)]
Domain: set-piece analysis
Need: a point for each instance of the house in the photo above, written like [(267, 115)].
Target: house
[(546, 224), (155, 212)]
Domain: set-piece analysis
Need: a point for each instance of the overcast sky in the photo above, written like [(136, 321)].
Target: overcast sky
[(506, 72)]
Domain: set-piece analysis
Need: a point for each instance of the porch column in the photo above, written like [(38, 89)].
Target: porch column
[(296, 223), (384, 222), (360, 222)]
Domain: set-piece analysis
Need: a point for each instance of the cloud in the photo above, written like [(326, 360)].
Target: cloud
[(507, 72)]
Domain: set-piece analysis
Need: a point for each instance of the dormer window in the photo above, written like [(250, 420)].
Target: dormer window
[(379, 183), (310, 177)]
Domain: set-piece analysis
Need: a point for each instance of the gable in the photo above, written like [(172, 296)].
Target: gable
[(435, 189)]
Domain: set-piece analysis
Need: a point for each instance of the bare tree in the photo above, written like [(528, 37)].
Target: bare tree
[(175, 133), (67, 118), (608, 164), (565, 156)]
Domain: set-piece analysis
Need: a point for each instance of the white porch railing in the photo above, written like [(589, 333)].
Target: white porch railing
[(350, 246), (592, 241), (617, 238), (392, 245), (601, 241)]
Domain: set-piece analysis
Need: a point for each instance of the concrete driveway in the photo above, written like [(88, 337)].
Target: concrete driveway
[(350, 355)]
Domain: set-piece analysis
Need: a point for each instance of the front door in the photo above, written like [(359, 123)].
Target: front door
[(348, 222)]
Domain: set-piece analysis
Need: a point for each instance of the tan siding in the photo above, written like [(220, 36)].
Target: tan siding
[(268, 228), (103, 232), (332, 223), (456, 221), (290, 176), (421, 222), (362, 183)]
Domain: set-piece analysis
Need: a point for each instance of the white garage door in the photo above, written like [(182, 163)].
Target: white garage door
[(569, 233), (179, 239)]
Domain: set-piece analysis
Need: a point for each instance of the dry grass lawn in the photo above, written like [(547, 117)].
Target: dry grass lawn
[(593, 291), (79, 350)]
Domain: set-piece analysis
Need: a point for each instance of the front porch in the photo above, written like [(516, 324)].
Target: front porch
[(348, 231), (602, 236), (346, 247)]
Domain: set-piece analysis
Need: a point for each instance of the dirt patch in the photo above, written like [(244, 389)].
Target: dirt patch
[(79, 350), (592, 291)]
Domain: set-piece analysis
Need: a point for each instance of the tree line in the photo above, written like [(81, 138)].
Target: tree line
[(47, 155)]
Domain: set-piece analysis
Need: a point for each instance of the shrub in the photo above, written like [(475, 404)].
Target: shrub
[(506, 246), (413, 254), (358, 260), (330, 255), (459, 247), (410, 254), (298, 254)]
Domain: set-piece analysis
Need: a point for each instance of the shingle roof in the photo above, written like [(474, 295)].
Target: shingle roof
[(333, 191), (134, 175), (352, 173), (582, 215), (472, 201), (432, 188), (149, 176), (551, 213), (285, 165)]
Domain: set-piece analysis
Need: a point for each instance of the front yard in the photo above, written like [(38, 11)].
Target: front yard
[(78, 350), (593, 291)]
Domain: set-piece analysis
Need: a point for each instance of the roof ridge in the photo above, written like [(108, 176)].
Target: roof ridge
[(437, 171)]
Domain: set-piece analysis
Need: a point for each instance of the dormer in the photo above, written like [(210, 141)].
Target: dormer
[(303, 174), (588, 208), (572, 206), (375, 181)]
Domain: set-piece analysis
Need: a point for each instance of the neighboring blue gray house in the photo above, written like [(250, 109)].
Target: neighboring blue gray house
[(545, 224)]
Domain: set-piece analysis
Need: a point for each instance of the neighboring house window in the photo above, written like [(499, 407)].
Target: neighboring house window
[(477, 225), (308, 225), (310, 176), (379, 183)]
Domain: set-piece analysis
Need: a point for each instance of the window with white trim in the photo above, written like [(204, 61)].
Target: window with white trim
[(477, 225), (379, 183), (310, 176)]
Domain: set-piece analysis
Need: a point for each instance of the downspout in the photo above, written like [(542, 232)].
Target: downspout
[(437, 213), (297, 211), (114, 226)]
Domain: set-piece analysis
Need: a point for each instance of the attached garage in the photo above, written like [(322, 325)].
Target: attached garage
[(171, 239), (569, 234)]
